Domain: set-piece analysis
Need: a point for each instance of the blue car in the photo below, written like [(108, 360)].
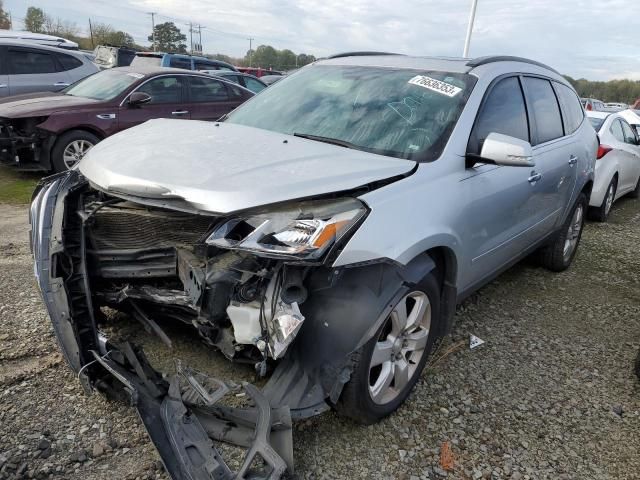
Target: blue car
[(178, 60)]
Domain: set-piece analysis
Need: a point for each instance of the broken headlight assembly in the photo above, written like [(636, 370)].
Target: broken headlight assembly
[(305, 231)]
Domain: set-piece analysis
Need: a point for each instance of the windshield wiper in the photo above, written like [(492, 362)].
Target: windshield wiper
[(332, 141)]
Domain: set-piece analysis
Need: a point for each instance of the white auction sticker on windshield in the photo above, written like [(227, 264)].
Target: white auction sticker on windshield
[(435, 85), (136, 75)]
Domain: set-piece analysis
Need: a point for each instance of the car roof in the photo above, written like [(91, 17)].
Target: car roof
[(34, 44), (37, 38), (446, 64), (153, 70), (595, 114)]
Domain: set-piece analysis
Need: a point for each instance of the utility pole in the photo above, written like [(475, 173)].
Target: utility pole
[(250, 52), (200, 27), (91, 33), (153, 30), (191, 36), (472, 18)]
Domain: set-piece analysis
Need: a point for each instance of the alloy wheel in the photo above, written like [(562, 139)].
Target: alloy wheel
[(400, 347), (573, 233), (74, 152), (609, 201)]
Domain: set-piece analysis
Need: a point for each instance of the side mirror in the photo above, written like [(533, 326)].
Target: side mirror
[(505, 150), (139, 98)]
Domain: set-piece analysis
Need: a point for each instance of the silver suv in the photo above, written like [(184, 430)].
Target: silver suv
[(26, 68), (323, 232)]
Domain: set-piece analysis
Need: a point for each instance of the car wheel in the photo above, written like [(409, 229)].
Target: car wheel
[(386, 368), (70, 148), (558, 255), (635, 193), (601, 213)]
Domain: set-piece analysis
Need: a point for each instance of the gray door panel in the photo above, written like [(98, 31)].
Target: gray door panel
[(499, 218)]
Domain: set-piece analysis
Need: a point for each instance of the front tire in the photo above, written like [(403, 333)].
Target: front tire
[(386, 368), (558, 256), (70, 148), (601, 213)]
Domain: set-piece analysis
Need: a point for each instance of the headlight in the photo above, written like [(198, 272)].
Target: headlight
[(304, 231)]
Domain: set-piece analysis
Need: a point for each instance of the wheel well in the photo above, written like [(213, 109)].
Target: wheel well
[(446, 264), (84, 128), (587, 188)]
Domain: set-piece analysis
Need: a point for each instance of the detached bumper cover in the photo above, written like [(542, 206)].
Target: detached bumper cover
[(182, 415)]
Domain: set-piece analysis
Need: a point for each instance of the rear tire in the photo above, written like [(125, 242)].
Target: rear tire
[(601, 213), (558, 256), (70, 148), (365, 398)]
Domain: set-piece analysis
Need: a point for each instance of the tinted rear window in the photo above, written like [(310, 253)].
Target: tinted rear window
[(68, 62), (178, 62), (572, 111), (23, 62), (545, 109)]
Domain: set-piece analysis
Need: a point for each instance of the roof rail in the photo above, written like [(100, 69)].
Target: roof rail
[(476, 62), (360, 54)]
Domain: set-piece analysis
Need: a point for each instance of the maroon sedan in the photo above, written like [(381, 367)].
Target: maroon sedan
[(53, 131)]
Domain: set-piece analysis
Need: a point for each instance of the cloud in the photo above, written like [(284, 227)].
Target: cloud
[(592, 39)]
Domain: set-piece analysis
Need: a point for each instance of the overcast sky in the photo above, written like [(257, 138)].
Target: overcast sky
[(582, 38)]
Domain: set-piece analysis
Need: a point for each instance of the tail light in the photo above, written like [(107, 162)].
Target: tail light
[(603, 150), (589, 107)]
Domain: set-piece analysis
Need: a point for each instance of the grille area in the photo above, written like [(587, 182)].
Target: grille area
[(137, 228)]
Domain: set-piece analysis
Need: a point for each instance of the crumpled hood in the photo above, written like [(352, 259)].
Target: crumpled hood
[(223, 167), (40, 104)]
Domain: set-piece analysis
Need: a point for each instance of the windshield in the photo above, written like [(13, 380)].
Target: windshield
[(400, 113), (596, 123), (105, 85)]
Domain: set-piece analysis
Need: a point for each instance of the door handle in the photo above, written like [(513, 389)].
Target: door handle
[(534, 177), (61, 84), (573, 160), (180, 112), (4, 85)]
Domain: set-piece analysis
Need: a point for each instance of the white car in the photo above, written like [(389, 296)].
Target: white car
[(632, 118), (618, 163)]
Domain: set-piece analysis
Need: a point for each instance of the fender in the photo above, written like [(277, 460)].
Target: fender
[(346, 307)]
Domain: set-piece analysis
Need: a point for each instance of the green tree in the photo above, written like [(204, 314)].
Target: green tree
[(5, 18), (34, 20), (265, 56), (105, 34), (286, 59), (169, 38)]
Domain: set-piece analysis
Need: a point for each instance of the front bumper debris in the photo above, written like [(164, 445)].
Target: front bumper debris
[(183, 415)]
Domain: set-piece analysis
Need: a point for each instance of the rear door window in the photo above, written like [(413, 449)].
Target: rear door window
[(207, 90), (502, 112), (178, 62), (546, 112), (23, 61), (572, 112), (68, 62)]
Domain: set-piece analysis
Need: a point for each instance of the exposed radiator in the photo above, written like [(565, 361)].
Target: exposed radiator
[(137, 228)]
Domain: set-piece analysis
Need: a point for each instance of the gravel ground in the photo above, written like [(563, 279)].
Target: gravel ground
[(550, 395)]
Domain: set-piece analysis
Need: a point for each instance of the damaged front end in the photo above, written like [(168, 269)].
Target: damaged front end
[(24, 145), (256, 287)]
